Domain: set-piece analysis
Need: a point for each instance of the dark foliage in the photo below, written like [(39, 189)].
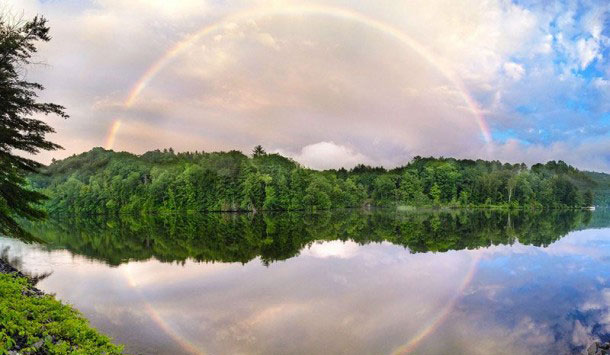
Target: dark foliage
[(241, 237), (20, 131)]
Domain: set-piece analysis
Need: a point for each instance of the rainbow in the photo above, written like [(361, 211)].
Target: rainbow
[(408, 347), (187, 346), (318, 10), (334, 12), (442, 316), (112, 132)]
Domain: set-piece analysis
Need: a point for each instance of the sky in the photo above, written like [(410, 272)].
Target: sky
[(331, 83)]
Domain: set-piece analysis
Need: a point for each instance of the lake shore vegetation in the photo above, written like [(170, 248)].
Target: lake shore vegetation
[(104, 182), (32, 322)]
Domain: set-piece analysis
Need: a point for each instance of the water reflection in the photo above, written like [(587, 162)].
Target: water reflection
[(467, 283), (273, 237)]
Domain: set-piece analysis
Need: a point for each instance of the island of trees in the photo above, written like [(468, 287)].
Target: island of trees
[(104, 182)]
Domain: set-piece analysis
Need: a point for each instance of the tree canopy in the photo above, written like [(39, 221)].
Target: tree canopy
[(105, 182)]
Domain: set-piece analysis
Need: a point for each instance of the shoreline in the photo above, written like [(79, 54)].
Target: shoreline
[(396, 208), (50, 326)]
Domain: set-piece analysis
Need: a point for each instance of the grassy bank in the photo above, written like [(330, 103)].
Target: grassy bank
[(32, 322)]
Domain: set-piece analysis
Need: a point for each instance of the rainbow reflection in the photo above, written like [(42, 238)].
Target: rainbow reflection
[(191, 348), (442, 316), (186, 345)]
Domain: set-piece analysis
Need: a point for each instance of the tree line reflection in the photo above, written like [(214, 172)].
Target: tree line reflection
[(232, 237)]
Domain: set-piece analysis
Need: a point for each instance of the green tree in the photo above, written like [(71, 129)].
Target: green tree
[(446, 177), (384, 189), (565, 192), (19, 131), (299, 180), (435, 194), (411, 189), (524, 192), (464, 198), (588, 198), (255, 189), (355, 193), (258, 151), (510, 186), (317, 194)]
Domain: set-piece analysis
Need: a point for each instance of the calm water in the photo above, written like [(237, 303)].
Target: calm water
[(345, 283)]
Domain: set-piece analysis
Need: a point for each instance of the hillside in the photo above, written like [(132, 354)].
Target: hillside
[(601, 190), (106, 182)]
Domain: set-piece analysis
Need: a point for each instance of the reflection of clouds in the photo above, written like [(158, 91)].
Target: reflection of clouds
[(592, 243), (490, 291), (530, 332), (274, 313), (150, 273), (342, 297), (581, 335), (598, 308), (336, 297), (543, 300), (322, 299), (99, 292), (335, 249), (483, 336)]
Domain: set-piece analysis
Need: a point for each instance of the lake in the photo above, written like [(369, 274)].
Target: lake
[(346, 282)]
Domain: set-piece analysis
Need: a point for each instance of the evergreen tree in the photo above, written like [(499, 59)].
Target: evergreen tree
[(19, 131), (258, 151)]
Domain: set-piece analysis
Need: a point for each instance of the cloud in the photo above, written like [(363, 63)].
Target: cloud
[(267, 40), (327, 155), (514, 70), (538, 72), (591, 153), (169, 9), (588, 50), (332, 249)]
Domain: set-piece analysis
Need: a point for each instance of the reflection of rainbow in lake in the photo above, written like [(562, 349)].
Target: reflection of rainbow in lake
[(186, 345), (443, 314), (317, 10), (408, 347)]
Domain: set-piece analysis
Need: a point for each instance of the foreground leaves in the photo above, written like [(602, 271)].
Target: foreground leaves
[(35, 323)]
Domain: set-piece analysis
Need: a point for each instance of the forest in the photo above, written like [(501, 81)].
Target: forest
[(104, 182)]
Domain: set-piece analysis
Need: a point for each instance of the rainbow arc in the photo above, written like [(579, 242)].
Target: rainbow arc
[(310, 10)]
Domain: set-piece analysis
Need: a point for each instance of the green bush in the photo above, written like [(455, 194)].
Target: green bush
[(34, 323)]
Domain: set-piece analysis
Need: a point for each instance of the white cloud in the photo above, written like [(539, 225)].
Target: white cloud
[(588, 51), (593, 22), (590, 153), (328, 155), (267, 40), (514, 70)]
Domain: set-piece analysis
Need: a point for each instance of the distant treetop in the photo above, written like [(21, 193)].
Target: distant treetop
[(258, 151)]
